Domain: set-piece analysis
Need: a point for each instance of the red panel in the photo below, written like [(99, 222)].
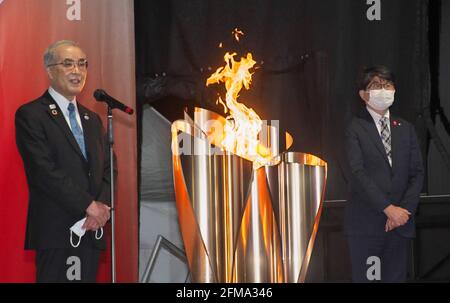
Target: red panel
[(26, 29)]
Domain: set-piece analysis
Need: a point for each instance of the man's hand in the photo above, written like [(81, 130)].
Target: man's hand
[(390, 225), (397, 216), (98, 212), (91, 224)]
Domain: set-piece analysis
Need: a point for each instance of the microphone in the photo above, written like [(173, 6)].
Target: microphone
[(101, 96)]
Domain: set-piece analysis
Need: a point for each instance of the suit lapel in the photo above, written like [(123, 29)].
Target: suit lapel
[(371, 129), (395, 136), (58, 116)]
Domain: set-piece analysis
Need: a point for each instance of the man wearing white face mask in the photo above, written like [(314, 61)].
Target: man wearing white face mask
[(385, 183)]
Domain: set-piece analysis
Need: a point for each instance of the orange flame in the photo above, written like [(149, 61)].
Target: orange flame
[(236, 33), (243, 123)]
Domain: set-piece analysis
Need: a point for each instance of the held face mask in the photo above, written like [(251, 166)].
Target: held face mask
[(381, 99), (78, 230)]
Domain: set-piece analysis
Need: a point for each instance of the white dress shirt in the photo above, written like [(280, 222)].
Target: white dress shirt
[(63, 103), (376, 118)]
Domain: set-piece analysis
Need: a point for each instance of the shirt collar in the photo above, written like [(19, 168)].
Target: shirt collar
[(62, 101), (376, 116)]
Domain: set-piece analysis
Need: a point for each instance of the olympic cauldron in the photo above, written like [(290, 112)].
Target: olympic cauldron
[(238, 223)]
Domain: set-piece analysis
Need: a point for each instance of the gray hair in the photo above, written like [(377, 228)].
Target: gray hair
[(49, 54)]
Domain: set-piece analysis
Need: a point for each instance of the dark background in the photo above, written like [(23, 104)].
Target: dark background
[(309, 54)]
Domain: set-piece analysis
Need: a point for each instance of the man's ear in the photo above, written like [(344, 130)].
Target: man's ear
[(49, 73), (362, 95)]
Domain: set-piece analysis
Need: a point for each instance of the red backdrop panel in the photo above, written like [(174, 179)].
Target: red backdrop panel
[(105, 30)]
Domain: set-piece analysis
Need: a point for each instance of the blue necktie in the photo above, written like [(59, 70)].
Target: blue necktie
[(76, 130)]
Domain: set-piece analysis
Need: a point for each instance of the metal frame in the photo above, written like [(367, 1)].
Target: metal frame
[(113, 192), (174, 250)]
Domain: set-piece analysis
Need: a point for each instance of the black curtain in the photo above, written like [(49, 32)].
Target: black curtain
[(308, 52)]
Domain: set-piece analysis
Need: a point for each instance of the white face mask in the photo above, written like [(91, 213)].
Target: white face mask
[(381, 99), (78, 229)]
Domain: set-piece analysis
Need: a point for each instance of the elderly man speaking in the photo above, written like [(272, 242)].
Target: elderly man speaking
[(66, 161)]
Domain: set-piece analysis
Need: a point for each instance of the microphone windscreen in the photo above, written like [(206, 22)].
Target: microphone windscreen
[(99, 94)]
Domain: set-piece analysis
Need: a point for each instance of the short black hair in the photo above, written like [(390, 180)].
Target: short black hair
[(368, 73)]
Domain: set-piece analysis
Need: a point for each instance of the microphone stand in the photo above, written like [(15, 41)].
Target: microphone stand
[(113, 210)]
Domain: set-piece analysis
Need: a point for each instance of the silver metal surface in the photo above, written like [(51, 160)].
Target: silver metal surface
[(241, 224)]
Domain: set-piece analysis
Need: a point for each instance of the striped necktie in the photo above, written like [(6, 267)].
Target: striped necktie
[(386, 137), (76, 130)]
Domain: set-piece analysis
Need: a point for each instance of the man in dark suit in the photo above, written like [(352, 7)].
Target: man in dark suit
[(66, 160), (385, 183)]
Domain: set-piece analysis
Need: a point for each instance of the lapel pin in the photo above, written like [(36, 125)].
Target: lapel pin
[(52, 106), (54, 112), (86, 117)]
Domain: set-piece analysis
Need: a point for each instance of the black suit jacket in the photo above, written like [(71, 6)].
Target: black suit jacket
[(61, 182), (374, 184)]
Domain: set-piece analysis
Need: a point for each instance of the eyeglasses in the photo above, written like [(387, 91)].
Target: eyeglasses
[(378, 85), (70, 64)]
